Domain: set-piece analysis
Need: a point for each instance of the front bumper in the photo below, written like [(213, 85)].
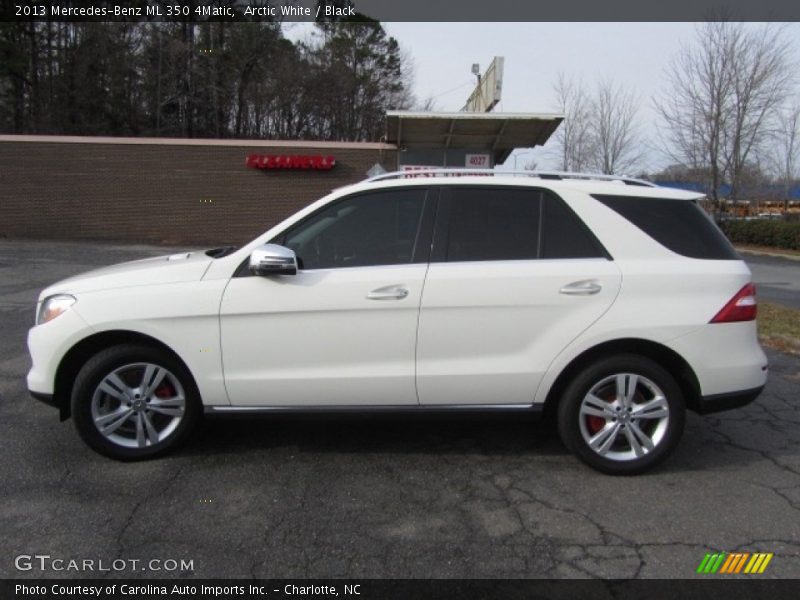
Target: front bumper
[(48, 399), (727, 401), (47, 345)]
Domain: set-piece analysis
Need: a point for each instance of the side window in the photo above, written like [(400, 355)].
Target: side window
[(492, 224), (679, 225), (376, 228), (564, 235)]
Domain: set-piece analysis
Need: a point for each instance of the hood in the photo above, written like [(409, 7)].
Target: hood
[(174, 268)]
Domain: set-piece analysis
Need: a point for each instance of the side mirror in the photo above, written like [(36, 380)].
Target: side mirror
[(272, 259)]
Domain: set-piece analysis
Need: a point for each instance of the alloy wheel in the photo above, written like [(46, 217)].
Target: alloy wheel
[(138, 405), (624, 416)]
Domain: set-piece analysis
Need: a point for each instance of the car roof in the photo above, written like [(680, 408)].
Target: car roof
[(586, 183)]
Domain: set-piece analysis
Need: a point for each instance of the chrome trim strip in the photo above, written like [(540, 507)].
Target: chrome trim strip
[(412, 408)]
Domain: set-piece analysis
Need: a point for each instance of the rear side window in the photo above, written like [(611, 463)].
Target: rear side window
[(679, 225), (493, 224)]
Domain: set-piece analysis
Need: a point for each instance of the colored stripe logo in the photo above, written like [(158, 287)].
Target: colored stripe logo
[(735, 562)]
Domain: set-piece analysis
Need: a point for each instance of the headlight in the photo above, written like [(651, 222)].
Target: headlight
[(53, 306)]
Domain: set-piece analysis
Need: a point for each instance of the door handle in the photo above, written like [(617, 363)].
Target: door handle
[(586, 287), (390, 292)]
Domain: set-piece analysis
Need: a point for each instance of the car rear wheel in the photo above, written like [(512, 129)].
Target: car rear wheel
[(622, 415), (132, 402)]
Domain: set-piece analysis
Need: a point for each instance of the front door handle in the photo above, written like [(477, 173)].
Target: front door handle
[(390, 292), (586, 287)]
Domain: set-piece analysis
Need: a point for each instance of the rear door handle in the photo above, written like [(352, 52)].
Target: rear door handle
[(390, 292), (586, 287)]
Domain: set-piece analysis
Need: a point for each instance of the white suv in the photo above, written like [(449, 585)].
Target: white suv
[(612, 304)]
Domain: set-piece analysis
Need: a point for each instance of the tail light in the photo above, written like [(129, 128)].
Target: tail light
[(742, 307)]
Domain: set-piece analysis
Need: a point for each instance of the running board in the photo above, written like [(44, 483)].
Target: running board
[(377, 409)]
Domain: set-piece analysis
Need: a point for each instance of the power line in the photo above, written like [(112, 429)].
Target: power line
[(455, 89)]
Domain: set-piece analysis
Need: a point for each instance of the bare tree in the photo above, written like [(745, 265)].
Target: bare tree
[(426, 105), (719, 96), (693, 104), (761, 81), (572, 143), (613, 129), (785, 155)]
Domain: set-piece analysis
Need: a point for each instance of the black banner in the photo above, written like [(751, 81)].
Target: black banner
[(396, 10), (405, 589)]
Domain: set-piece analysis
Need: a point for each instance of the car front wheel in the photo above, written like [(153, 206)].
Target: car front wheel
[(622, 415), (132, 402)]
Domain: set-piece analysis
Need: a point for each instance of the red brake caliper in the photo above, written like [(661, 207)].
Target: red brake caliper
[(165, 390), (595, 424)]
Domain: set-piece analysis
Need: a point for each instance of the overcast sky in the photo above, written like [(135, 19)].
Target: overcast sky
[(634, 54)]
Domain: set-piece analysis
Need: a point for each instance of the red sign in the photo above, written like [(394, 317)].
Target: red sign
[(279, 161)]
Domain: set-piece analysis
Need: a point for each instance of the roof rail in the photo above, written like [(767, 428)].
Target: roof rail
[(453, 172)]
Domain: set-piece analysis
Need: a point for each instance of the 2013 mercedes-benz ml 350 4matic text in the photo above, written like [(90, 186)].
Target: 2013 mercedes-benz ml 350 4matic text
[(612, 303)]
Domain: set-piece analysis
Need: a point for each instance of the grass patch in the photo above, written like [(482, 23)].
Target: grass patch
[(768, 249), (779, 327)]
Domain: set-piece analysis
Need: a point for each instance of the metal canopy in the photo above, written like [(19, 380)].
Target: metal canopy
[(498, 133)]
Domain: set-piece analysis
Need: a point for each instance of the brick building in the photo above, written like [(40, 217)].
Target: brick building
[(160, 190), (193, 191)]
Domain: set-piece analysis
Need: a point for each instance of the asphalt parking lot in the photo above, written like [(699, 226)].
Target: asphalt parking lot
[(382, 497), (777, 279)]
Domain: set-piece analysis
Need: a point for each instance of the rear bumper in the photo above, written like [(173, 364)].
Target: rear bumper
[(726, 358), (727, 401)]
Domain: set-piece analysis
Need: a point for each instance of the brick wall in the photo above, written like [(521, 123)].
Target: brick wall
[(179, 192)]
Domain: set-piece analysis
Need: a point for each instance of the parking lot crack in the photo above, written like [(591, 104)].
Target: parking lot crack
[(156, 490), (729, 440)]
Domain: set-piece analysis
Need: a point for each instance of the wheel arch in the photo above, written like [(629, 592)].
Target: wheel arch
[(666, 357), (76, 357)]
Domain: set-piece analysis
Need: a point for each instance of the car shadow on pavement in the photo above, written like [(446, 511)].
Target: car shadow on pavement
[(428, 434), (766, 432), (710, 443)]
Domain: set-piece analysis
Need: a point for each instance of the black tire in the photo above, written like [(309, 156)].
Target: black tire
[(621, 457), (130, 359)]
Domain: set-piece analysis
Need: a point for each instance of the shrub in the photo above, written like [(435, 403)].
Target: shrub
[(763, 232)]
